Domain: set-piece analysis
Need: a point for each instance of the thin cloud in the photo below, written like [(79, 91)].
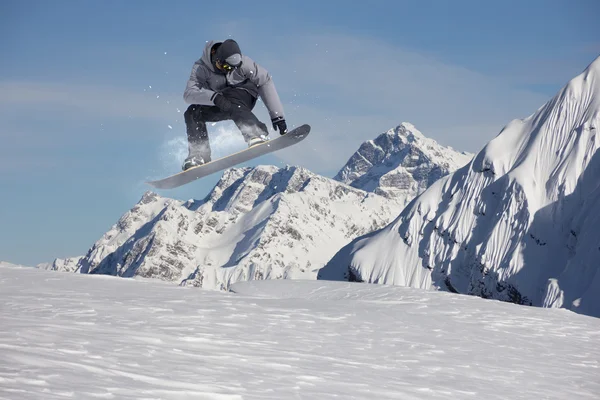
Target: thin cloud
[(98, 100), (350, 89), (66, 115)]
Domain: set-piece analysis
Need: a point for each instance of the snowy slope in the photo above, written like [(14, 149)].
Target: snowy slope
[(96, 337), (7, 264), (62, 264), (520, 223), (257, 223), (400, 164)]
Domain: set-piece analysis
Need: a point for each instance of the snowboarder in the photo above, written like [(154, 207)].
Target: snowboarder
[(225, 85)]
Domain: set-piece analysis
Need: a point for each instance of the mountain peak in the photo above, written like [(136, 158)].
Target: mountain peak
[(407, 130), (400, 163)]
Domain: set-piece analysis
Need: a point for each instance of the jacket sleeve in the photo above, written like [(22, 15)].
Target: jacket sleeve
[(266, 87), (197, 91)]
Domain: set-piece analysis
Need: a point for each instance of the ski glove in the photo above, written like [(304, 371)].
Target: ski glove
[(279, 123), (222, 102)]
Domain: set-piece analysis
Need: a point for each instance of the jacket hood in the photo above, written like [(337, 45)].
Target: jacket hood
[(206, 55)]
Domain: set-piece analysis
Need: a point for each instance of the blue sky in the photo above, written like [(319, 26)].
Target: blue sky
[(91, 91)]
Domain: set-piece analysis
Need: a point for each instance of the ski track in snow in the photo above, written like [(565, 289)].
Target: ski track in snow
[(98, 337)]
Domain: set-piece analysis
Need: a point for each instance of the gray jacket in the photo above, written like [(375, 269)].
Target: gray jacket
[(205, 80)]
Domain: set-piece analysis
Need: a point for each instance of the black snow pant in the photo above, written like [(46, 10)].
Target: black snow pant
[(196, 117)]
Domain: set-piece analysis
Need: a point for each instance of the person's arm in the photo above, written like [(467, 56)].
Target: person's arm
[(266, 87), (197, 91)]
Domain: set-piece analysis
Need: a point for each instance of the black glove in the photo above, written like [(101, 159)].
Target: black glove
[(279, 123), (222, 102)]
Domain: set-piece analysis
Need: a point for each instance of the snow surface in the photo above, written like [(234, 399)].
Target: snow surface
[(520, 222), (7, 264), (99, 337)]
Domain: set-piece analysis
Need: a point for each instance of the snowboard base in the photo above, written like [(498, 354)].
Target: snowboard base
[(292, 137)]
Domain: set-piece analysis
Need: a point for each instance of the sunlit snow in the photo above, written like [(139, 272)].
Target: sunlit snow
[(90, 337)]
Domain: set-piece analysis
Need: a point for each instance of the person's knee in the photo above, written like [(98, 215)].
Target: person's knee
[(193, 112), (188, 114)]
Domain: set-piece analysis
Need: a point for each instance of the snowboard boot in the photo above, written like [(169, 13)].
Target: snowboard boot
[(257, 140), (192, 161)]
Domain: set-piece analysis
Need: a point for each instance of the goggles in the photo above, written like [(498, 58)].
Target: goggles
[(230, 63), (224, 66)]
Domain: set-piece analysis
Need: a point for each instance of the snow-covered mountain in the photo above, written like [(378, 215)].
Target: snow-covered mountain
[(257, 223), (61, 264), (6, 264), (264, 222), (400, 164), (520, 222)]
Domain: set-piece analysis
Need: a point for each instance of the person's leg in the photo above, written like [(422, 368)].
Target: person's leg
[(242, 115), (195, 118)]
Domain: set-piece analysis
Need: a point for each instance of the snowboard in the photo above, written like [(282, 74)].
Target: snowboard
[(290, 138)]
